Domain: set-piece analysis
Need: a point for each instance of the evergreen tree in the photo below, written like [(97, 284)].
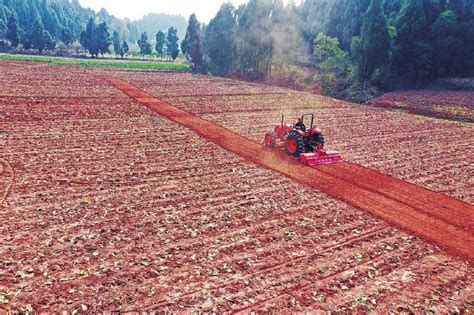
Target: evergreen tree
[(448, 43), (172, 47), (88, 38), (375, 41), (103, 38), (160, 43), (289, 46), (49, 18), (124, 50), (48, 41), (413, 52), (3, 30), (315, 16), (144, 44), (345, 20), (67, 37), (220, 40), (37, 35), (59, 15), (192, 44), (255, 42), (96, 38), (117, 43), (12, 32)]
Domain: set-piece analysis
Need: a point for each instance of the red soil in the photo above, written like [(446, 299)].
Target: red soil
[(438, 218), (452, 105), (114, 208), (431, 153)]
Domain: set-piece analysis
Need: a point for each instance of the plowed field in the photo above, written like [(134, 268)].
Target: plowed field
[(114, 207), (452, 105), (431, 153)]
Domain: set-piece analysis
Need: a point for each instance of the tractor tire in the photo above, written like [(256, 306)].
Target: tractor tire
[(270, 140), (318, 140), (294, 144)]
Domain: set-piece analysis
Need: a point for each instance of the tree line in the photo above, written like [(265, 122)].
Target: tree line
[(166, 43), (352, 44), (96, 39), (58, 24), (366, 43)]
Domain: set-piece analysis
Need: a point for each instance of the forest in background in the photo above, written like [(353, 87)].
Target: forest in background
[(356, 47), (64, 20), (351, 49)]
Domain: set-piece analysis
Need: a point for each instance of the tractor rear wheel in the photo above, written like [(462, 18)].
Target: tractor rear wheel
[(270, 140), (318, 141), (294, 144)]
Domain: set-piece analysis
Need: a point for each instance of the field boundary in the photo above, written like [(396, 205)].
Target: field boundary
[(435, 217), (108, 63)]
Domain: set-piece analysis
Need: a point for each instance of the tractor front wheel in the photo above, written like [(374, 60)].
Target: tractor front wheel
[(270, 140), (294, 144)]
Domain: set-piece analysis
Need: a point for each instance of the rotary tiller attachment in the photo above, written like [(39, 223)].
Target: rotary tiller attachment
[(320, 157)]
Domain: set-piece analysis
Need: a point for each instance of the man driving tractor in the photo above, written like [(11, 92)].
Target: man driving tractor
[(300, 125), (299, 141)]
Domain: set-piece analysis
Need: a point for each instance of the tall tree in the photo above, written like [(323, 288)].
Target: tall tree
[(67, 37), (447, 33), (375, 41), (88, 38), (219, 40), (289, 46), (192, 45), (315, 16), (345, 20), (48, 40), (3, 31), (160, 43), (172, 46), (37, 35), (117, 43), (12, 32), (49, 18), (144, 44), (413, 51), (56, 16), (103, 38), (124, 50), (255, 41)]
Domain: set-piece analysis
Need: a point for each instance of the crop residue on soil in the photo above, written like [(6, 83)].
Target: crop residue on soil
[(114, 208), (438, 218)]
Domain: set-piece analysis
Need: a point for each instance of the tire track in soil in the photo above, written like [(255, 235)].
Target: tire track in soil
[(396, 201)]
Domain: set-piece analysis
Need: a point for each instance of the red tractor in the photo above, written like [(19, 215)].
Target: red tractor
[(307, 144)]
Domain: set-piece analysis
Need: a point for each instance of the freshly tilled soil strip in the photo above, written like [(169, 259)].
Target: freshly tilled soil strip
[(428, 201), (449, 226)]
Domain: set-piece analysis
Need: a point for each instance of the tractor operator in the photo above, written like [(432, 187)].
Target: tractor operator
[(300, 125)]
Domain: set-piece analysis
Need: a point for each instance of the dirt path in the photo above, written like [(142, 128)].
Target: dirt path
[(435, 217)]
